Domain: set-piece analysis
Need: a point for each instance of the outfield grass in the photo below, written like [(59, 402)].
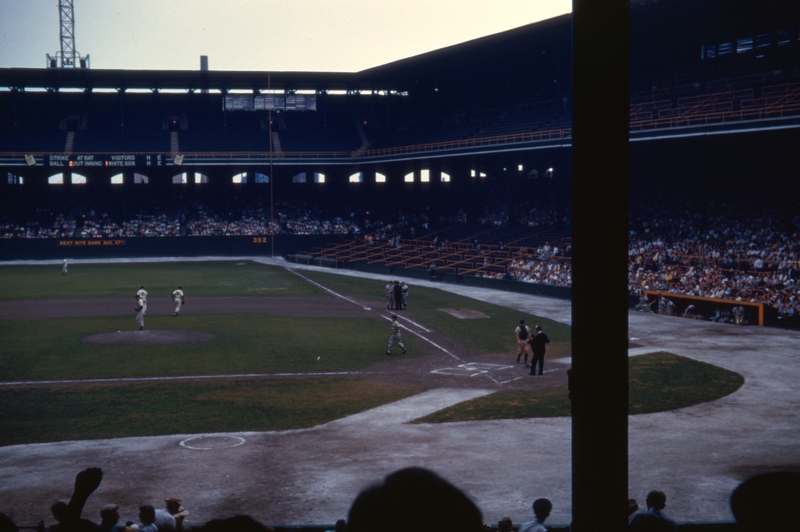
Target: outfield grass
[(658, 382), (493, 335), (223, 278), (39, 415)]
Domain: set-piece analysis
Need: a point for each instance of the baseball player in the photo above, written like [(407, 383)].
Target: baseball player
[(395, 338), (523, 334), (139, 308), (64, 267), (177, 297), (142, 293), (389, 291)]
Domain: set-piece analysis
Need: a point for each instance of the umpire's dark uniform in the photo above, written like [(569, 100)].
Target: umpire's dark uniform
[(398, 296), (538, 349)]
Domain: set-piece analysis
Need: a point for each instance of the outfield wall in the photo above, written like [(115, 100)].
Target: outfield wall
[(194, 246)]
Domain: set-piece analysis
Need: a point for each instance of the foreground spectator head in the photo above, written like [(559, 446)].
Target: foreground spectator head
[(504, 525), (413, 499), (768, 502), (6, 524), (633, 507), (174, 505), (109, 514), (59, 510), (542, 509), (656, 499), (147, 514)]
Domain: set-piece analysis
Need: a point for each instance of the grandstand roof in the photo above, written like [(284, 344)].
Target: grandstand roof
[(72, 78), (401, 75)]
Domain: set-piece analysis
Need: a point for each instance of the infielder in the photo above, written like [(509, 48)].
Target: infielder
[(523, 334), (139, 308), (177, 297), (142, 293), (395, 338)]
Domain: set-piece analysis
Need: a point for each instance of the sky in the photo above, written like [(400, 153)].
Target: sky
[(262, 35)]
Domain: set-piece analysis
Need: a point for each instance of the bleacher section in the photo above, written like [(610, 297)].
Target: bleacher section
[(460, 249), (725, 99)]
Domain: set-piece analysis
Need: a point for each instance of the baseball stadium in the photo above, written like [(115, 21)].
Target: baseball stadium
[(201, 270)]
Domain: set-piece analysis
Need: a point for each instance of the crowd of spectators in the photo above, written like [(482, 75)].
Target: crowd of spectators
[(526, 213), (254, 221), (727, 252), (418, 499), (733, 252)]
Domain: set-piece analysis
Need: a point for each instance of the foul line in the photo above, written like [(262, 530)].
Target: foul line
[(325, 288), (420, 335), (367, 308)]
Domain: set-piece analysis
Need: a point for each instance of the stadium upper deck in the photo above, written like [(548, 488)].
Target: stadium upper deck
[(509, 91)]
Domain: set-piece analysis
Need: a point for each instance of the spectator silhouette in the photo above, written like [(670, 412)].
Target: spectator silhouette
[(178, 512), (340, 526), (109, 517), (653, 519), (164, 520), (768, 502), (633, 507), (505, 525), (147, 516), (7, 524), (541, 509), (86, 482), (59, 511), (413, 499)]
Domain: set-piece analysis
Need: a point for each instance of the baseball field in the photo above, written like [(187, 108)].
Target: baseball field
[(263, 348)]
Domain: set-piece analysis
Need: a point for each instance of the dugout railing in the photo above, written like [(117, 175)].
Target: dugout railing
[(707, 308)]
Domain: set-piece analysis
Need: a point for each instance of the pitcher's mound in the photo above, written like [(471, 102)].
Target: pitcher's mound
[(148, 337)]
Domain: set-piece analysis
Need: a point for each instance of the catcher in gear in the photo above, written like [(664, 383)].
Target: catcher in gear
[(523, 335)]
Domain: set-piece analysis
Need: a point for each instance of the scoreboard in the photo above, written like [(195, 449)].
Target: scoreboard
[(84, 160)]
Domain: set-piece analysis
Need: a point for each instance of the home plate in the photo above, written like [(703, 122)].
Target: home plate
[(471, 369)]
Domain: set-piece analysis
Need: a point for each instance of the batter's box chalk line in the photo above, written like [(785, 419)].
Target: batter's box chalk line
[(471, 369)]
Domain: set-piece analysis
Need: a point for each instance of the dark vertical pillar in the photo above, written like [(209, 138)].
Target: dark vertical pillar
[(599, 374)]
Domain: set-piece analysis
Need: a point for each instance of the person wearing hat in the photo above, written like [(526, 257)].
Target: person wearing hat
[(179, 513)]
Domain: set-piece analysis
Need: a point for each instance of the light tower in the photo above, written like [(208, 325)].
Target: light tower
[(68, 56)]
